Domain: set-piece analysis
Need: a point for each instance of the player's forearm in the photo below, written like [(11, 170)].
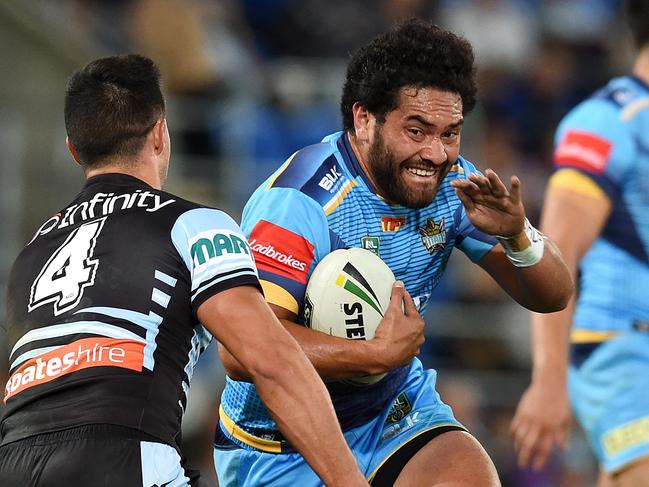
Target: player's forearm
[(544, 287), (547, 286), (550, 346), (299, 403), (337, 358), (332, 357)]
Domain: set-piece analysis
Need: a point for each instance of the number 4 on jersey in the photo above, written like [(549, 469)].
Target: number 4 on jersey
[(68, 271)]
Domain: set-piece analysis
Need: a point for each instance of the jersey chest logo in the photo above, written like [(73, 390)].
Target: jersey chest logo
[(373, 244), (392, 223), (433, 235)]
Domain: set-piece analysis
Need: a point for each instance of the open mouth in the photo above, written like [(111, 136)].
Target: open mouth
[(422, 172)]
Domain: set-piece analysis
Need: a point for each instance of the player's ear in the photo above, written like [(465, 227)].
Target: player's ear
[(363, 122), (73, 151), (159, 136)]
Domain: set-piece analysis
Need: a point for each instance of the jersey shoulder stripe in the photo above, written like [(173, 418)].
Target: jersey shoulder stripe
[(318, 172)]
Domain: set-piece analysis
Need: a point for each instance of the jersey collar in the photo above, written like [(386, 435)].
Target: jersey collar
[(115, 178), (354, 166), (640, 82)]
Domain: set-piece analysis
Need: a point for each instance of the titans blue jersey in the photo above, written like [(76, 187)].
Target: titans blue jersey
[(319, 201), (603, 150)]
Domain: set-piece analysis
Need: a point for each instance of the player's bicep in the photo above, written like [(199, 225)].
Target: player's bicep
[(244, 324)]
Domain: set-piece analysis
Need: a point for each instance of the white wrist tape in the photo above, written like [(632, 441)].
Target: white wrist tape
[(529, 256)]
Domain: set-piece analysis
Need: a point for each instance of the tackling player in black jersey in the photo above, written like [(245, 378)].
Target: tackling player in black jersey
[(116, 296)]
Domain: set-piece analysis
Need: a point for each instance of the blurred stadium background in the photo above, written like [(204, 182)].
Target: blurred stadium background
[(250, 81)]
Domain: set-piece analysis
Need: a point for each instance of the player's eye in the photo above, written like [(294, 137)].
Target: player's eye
[(415, 131)]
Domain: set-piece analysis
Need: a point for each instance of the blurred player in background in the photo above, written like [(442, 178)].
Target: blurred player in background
[(105, 307), (597, 211), (393, 182)]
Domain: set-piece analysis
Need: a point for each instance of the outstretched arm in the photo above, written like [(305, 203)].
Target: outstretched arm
[(527, 264), (295, 396), (574, 221)]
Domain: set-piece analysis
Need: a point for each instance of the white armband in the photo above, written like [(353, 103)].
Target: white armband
[(528, 256)]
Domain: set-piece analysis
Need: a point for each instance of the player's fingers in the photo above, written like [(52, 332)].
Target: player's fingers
[(516, 193), (465, 199), (482, 182), (469, 187), (408, 304), (515, 424), (519, 433), (542, 451), (396, 296), (497, 186), (562, 437), (527, 447)]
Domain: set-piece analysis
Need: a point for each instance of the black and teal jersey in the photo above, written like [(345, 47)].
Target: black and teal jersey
[(318, 201), (101, 320)]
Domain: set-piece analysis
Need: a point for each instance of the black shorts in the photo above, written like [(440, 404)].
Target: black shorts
[(95, 455), (387, 475)]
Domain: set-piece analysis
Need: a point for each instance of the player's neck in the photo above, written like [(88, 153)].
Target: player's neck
[(142, 172), (641, 65), (361, 153)]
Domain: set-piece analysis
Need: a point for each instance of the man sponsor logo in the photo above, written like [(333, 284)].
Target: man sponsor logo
[(329, 180), (78, 355), (583, 150), (392, 223), (280, 251), (433, 235), (210, 245), (373, 244)]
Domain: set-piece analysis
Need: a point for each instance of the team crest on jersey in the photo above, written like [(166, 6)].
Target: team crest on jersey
[(433, 235), (392, 223), (373, 244)]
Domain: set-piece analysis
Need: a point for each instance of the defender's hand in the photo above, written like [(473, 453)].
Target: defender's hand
[(401, 331), (490, 206), (538, 428)]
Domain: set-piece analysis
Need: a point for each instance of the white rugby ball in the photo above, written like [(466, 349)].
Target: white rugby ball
[(347, 295)]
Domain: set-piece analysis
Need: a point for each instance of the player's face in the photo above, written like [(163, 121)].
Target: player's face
[(413, 150)]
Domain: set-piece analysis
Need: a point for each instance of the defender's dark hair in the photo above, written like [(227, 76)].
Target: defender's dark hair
[(415, 53), (110, 106), (637, 16)]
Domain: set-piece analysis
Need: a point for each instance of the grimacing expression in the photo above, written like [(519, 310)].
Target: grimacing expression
[(412, 151)]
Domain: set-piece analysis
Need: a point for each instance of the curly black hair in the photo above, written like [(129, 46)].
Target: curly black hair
[(413, 53), (637, 15)]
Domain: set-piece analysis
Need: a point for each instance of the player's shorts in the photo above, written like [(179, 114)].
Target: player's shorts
[(381, 447), (609, 391), (92, 456)]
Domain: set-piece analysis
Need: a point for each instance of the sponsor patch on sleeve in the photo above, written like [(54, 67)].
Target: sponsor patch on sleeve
[(281, 251), (583, 150)]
